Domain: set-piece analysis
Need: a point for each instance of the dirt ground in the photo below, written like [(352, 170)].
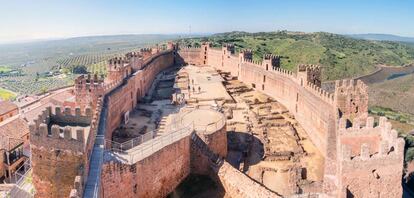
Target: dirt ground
[(267, 143)]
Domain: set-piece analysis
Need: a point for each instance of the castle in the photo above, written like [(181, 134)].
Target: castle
[(71, 156)]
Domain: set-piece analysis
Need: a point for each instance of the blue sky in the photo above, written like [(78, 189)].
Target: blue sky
[(41, 19)]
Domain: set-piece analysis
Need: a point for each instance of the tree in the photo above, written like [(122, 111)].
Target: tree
[(80, 69)]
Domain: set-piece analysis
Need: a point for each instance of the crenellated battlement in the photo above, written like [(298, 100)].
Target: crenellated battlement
[(270, 60), (132, 54), (246, 54), (117, 63), (145, 50), (310, 73), (65, 129), (111, 85), (319, 92), (190, 48), (88, 89), (89, 82), (351, 99), (381, 141), (227, 47)]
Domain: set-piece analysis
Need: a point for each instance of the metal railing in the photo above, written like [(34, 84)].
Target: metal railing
[(144, 145), (146, 149), (124, 146), (176, 125)]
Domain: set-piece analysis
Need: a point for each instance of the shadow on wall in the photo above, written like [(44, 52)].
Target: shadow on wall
[(243, 148), (200, 186)]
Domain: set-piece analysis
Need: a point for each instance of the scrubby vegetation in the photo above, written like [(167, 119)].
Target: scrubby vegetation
[(409, 151), (396, 94), (340, 56), (391, 114)]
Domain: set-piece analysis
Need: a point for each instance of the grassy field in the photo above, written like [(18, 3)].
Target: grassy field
[(340, 56), (6, 94)]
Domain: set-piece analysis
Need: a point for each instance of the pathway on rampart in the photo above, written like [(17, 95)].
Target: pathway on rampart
[(93, 182)]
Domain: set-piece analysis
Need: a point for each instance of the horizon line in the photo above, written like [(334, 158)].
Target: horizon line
[(34, 40)]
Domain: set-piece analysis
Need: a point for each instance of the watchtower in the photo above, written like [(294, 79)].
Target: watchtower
[(270, 60), (119, 68), (228, 49), (88, 89), (135, 60), (58, 146), (351, 99), (309, 73), (246, 54)]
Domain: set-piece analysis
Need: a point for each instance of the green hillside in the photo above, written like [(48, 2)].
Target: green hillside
[(340, 56)]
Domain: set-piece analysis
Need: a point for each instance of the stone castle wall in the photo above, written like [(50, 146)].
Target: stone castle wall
[(368, 152), (191, 56), (303, 100), (319, 112), (125, 97), (154, 176)]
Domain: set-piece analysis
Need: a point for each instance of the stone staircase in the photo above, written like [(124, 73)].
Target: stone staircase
[(162, 126), (199, 144)]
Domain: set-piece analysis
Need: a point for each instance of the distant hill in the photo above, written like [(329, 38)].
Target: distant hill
[(341, 56), (382, 37)]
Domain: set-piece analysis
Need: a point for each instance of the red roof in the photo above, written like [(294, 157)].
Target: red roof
[(11, 132), (6, 106)]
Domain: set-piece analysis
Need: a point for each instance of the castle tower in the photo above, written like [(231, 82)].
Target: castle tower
[(135, 60), (246, 54), (59, 149), (118, 69), (271, 61), (309, 73), (351, 99), (228, 49), (204, 50), (87, 90), (370, 159)]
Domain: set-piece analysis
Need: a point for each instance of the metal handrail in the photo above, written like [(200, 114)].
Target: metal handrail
[(123, 147), (146, 149)]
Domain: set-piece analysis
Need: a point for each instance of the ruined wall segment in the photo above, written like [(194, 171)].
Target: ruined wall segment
[(236, 184)]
